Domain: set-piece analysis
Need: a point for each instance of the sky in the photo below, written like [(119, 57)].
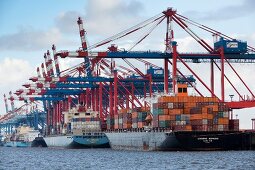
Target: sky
[(28, 29)]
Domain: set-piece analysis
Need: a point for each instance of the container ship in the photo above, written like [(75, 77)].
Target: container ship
[(82, 129), (178, 122), (22, 137)]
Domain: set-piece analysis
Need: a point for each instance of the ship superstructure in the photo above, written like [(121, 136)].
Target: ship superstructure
[(23, 136), (82, 129)]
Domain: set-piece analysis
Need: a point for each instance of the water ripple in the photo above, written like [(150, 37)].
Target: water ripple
[(96, 159)]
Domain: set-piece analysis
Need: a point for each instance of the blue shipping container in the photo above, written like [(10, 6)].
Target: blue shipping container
[(231, 46)]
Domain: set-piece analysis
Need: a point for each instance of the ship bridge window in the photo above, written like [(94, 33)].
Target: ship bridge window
[(76, 114), (179, 90), (184, 90)]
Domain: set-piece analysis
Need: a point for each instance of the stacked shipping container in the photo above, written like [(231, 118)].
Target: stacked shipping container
[(179, 113), (190, 113), (128, 119)]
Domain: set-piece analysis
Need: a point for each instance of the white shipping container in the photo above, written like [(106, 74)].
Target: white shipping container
[(183, 122), (185, 117), (170, 105), (120, 121), (220, 128), (134, 125), (225, 114), (178, 122), (204, 121)]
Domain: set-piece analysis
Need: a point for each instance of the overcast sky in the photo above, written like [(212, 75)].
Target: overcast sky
[(28, 28)]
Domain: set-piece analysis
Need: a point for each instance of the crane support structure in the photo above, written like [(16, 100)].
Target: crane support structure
[(109, 80)]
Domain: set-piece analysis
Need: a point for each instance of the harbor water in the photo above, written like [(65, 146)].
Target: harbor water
[(60, 158)]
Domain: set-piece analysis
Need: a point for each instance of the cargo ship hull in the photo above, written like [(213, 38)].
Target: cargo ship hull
[(143, 141), (22, 144), (216, 140), (181, 141), (78, 141)]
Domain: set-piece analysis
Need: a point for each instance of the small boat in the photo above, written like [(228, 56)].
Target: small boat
[(22, 137)]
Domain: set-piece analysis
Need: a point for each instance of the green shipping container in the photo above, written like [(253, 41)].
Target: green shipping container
[(164, 124)]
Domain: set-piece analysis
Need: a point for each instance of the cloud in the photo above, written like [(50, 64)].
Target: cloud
[(224, 13), (29, 39), (188, 44), (14, 70), (66, 22), (13, 73), (113, 8), (101, 18)]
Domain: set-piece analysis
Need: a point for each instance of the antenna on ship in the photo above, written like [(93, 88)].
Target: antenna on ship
[(6, 104), (12, 100)]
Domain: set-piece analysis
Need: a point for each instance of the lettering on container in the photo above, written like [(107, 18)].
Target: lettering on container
[(158, 71), (232, 45)]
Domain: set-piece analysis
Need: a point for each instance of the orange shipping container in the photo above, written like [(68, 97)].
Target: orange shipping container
[(196, 116), (174, 111), (215, 108), (204, 110), (191, 99), (164, 117), (189, 104), (169, 99), (188, 128), (209, 116), (178, 111), (186, 110), (223, 121), (165, 111), (204, 115)]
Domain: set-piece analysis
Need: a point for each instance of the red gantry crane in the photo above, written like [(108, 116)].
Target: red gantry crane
[(103, 85)]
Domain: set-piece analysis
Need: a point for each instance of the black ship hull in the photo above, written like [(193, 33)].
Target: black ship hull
[(182, 140), (206, 141)]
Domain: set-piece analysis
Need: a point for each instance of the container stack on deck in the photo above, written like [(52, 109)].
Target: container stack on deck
[(128, 119), (179, 113), (190, 113)]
